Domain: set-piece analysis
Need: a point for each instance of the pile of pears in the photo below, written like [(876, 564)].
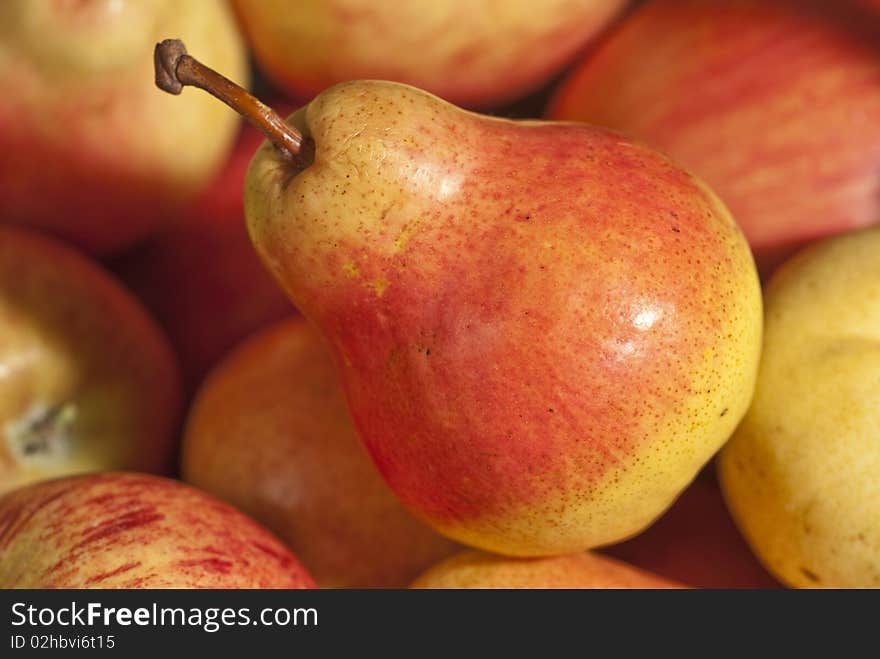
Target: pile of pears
[(543, 331)]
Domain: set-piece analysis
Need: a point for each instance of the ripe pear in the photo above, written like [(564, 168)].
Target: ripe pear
[(800, 474), (476, 569), (473, 52), (543, 330), (90, 151)]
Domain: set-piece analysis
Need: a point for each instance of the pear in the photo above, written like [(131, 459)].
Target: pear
[(800, 474), (542, 330)]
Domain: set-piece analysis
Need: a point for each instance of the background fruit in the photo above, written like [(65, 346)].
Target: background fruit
[(120, 530), (87, 380), (92, 151), (269, 433), (473, 569), (775, 104), (800, 474), (201, 277), (475, 53)]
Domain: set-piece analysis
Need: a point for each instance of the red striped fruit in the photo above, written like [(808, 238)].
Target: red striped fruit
[(126, 530), (775, 104)]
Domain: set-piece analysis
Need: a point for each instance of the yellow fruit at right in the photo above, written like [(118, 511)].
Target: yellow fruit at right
[(802, 473)]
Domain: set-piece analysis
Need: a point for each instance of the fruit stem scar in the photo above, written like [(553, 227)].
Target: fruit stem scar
[(44, 432), (175, 69)]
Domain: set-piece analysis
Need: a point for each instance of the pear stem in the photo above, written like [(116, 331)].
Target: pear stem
[(175, 69)]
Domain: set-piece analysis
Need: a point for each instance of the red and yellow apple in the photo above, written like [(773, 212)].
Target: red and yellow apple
[(92, 152), (87, 380), (775, 104), (270, 434), (126, 530), (475, 52)]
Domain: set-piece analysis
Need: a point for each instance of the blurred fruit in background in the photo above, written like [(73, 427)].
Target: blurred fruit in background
[(87, 380), (801, 472), (476, 569), (92, 151), (201, 277), (474, 53), (270, 434), (775, 104), (697, 543), (123, 530)]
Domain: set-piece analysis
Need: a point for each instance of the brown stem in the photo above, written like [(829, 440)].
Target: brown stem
[(175, 69)]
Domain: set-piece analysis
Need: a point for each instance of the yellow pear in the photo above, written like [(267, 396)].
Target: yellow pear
[(801, 473)]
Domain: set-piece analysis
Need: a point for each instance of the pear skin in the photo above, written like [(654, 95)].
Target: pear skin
[(800, 473), (543, 330)]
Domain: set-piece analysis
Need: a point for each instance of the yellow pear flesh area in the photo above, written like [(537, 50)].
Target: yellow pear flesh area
[(801, 473)]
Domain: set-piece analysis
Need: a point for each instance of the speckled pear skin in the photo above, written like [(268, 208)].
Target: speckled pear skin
[(800, 475), (543, 330)]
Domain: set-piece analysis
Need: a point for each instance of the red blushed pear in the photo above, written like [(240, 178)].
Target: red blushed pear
[(269, 433), (125, 530), (87, 380), (201, 278), (91, 152), (543, 330), (472, 52), (775, 104)]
